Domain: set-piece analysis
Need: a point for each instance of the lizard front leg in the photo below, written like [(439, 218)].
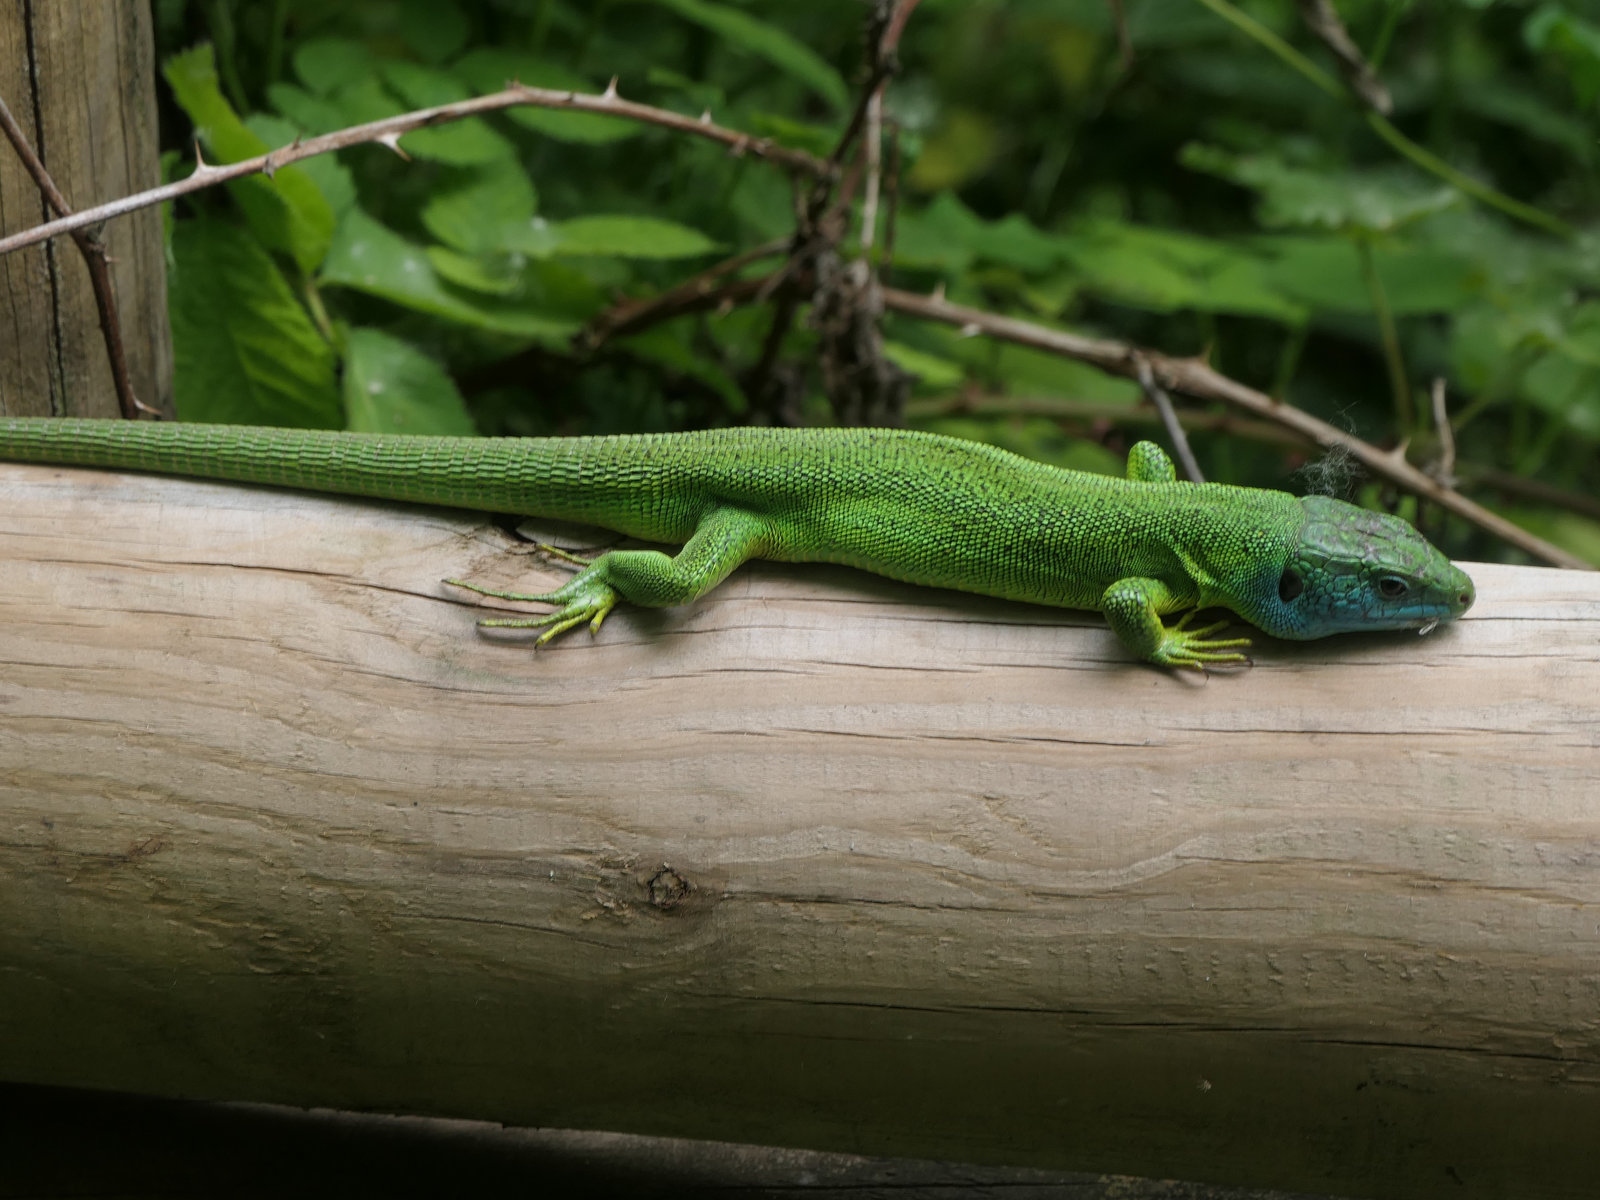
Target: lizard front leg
[(1133, 609), (724, 538)]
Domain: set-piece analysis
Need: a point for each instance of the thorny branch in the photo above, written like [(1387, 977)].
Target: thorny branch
[(390, 130), (95, 259)]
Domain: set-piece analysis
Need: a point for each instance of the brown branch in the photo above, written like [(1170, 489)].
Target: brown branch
[(1324, 23), (1157, 396), (1536, 490), (1445, 471), (93, 251), (1195, 378), (886, 259), (631, 316), (389, 131)]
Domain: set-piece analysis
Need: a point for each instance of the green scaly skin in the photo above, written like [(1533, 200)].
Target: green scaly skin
[(913, 506)]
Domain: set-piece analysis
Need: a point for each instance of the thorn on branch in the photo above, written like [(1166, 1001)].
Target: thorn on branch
[(392, 140), (202, 169)]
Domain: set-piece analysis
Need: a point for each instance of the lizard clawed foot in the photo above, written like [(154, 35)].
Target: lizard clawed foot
[(563, 555), (1197, 648), (583, 599)]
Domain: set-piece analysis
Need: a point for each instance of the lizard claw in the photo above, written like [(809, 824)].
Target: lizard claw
[(578, 601), (1197, 648)]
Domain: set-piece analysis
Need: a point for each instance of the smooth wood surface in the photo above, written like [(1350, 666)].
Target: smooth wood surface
[(80, 77), (820, 861)]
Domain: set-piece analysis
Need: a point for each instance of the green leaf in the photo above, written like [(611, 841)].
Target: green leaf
[(963, 146), (481, 209), (1378, 201), (1553, 30), (460, 143), (931, 370), (490, 70), (665, 348), (814, 139), (372, 258), (1325, 273), (244, 349), (288, 212), (1566, 382), (1165, 270), (432, 31), (312, 115), (491, 274), (327, 64), (792, 57), (629, 237), (947, 233), (392, 387)]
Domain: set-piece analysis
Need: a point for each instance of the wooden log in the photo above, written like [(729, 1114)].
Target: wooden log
[(81, 80), (821, 860)]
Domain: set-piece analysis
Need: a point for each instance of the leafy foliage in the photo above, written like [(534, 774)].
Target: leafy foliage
[(1202, 197)]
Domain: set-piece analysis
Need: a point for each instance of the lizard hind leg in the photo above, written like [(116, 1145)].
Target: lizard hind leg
[(724, 538)]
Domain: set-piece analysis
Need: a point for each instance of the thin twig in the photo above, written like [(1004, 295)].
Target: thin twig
[(1196, 378), (886, 61), (872, 153), (886, 259), (1388, 336), (1444, 472), (1324, 23), (1119, 21), (390, 130), (1536, 490), (633, 315), (94, 258), (1157, 396)]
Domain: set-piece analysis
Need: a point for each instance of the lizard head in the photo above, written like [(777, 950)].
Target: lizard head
[(1351, 570)]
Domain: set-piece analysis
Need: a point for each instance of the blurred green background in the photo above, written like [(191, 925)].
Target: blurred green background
[(1201, 196)]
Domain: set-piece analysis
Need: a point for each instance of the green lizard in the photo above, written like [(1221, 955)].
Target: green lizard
[(913, 506)]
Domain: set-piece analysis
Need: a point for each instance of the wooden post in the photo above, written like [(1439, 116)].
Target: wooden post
[(821, 860), (80, 79)]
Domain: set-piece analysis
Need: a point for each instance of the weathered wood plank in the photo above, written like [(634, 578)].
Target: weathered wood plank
[(821, 860)]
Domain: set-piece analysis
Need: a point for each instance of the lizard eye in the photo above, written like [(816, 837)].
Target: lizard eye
[(1290, 586), (1391, 588)]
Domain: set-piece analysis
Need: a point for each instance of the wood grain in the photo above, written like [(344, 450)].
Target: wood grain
[(821, 860), (80, 78)]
